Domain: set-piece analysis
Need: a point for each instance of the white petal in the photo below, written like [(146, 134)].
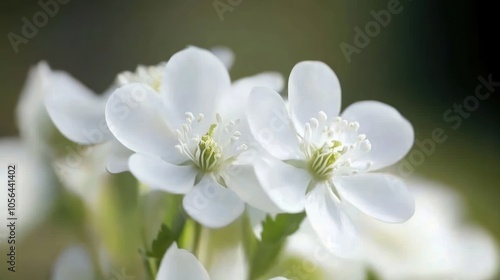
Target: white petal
[(332, 226), (313, 87), (34, 184), (284, 184), (304, 245), (477, 253), (381, 196), (211, 204), (34, 124), (135, 115), (161, 175), (75, 110), (194, 80), (256, 217), (390, 134), (73, 263), (272, 80), (118, 157), (233, 103), (243, 181), (224, 54), (279, 278), (180, 264), (270, 124)]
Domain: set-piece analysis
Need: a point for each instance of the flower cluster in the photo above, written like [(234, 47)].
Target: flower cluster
[(191, 131), (237, 154)]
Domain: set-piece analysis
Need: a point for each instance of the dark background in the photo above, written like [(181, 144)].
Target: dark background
[(427, 59)]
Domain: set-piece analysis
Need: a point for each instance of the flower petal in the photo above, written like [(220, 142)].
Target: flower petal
[(161, 175), (75, 110), (117, 160), (211, 204), (476, 252), (224, 54), (313, 87), (135, 115), (233, 103), (256, 217), (243, 181), (270, 124), (34, 124), (73, 263), (285, 184), (332, 226), (381, 196), (390, 134), (194, 80), (180, 264)]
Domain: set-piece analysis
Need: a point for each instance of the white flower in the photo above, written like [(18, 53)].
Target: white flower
[(436, 243), (33, 187), (32, 119), (180, 264), (34, 180), (74, 263), (320, 161), (310, 260), (79, 114), (190, 134)]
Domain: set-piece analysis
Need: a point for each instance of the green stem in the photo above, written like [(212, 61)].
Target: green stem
[(196, 238)]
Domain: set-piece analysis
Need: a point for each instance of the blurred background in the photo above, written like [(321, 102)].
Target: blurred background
[(426, 59)]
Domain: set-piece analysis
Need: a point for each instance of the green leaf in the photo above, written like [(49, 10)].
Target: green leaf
[(166, 236), (162, 242), (274, 234), (371, 275)]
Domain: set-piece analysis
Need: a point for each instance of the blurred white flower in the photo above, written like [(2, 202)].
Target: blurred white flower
[(320, 161), (180, 264), (224, 54), (436, 243), (33, 122), (33, 187), (79, 114), (191, 135), (304, 257), (74, 263)]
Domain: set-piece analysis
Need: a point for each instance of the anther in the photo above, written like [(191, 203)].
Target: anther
[(322, 116)]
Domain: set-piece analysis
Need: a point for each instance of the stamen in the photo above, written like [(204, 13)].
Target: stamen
[(206, 151), (322, 116), (341, 145)]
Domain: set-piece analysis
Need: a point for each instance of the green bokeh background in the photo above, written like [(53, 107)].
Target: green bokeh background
[(427, 59)]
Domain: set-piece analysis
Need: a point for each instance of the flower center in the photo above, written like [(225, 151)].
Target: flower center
[(215, 149), (333, 147), (150, 75), (208, 151), (322, 161)]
